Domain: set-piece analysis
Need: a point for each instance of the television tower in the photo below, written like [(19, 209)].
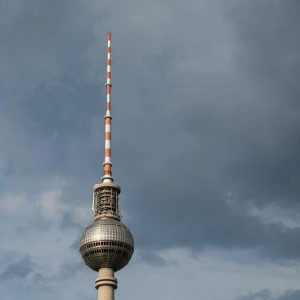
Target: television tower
[(106, 245)]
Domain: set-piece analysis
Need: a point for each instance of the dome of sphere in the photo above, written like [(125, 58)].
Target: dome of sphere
[(106, 243)]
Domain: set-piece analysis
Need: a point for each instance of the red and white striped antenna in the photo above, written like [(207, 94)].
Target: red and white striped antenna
[(107, 174)]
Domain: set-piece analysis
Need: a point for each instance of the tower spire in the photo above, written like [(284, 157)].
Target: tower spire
[(107, 174), (106, 194)]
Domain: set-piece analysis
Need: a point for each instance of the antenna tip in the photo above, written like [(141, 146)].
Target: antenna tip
[(109, 35)]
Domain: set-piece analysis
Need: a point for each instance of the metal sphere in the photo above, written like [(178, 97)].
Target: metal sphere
[(106, 243)]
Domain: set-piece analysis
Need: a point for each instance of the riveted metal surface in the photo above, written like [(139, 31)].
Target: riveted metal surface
[(106, 243)]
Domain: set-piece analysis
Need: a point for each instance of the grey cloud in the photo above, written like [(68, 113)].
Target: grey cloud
[(75, 246), (268, 43), (188, 149), (240, 138), (262, 295), (32, 46), (267, 295), (197, 223), (81, 296), (290, 295), (9, 169), (68, 222), (192, 145), (69, 270), (203, 103), (22, 270), (26, 267), (154, 259), (18, 270)]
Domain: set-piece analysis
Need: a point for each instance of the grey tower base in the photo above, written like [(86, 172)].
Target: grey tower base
[(106, 284)]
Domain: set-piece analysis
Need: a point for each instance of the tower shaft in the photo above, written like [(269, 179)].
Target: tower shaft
[(106, 284)]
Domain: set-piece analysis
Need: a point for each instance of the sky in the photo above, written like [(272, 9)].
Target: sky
[(206, 116)]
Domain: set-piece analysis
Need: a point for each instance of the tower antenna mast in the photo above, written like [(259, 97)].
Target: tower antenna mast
[(107, 174)]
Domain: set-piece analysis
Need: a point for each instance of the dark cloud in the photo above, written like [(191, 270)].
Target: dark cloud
[(82, 296), (75, 246), (68, 222), (27, 269), (69, 270), (267, 295), (196, 140), (290, 295), (154, 259), (262, 295), (206, 120), (18, 270), (267, 58), (9, 169), (240, 138)]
